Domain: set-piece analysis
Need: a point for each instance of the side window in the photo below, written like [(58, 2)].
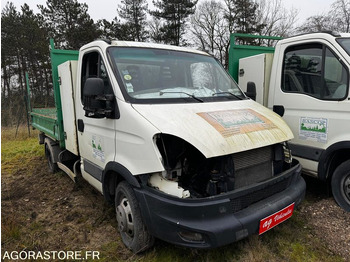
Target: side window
[(314, 70), (94, 67)]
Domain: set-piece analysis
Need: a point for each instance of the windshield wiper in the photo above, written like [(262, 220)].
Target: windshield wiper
[(180, 92), (229, 93)]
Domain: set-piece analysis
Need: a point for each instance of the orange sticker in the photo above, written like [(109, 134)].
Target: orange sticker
[(240, 121)]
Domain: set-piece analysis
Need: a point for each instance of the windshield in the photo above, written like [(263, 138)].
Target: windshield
[(345, 43), (160, 75)]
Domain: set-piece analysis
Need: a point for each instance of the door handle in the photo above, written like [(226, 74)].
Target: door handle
[(81, 125)]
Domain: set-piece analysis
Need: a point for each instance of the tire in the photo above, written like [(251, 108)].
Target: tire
[(341, 185), (53, 167), (133, 231)]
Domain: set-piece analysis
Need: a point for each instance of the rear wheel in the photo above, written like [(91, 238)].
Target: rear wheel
[(132, 230), (341, 185), (53, 167)]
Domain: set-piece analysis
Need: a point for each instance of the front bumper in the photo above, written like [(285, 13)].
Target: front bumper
[(222, 219)]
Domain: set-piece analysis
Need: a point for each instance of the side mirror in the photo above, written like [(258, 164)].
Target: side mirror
[(278, 110), (93, 106), (251, 90)]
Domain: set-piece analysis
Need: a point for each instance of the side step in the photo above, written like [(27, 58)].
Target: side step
[(69, 163), (66, 169)]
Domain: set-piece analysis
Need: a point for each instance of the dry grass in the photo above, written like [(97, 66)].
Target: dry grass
[(41, 211)]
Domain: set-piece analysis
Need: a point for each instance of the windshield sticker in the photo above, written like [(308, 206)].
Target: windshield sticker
[(97, 148), (127, 77), (233, 122), (314, 129), (129, 87)]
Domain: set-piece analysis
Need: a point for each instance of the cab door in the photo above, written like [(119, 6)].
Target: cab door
[(96, 132), (314, 91)]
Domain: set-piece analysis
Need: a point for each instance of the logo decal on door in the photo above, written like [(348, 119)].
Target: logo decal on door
[(97, 148), (314, 129)]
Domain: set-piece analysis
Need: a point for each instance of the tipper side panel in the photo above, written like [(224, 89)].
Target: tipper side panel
[(58, 57), (50, 120), (237, 52)]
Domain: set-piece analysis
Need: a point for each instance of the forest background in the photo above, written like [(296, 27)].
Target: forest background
[(206, 26)]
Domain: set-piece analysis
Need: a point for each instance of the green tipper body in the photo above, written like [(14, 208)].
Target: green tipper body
[(50, 120), (237, 52)]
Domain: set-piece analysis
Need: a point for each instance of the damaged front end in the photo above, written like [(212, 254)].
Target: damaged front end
[(209, 202), (189, 174)]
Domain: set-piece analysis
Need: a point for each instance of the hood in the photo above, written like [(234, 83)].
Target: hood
[(218, 128)]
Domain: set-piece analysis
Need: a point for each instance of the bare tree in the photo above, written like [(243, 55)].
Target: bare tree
[(340, 14), (278, 20), (154, 30), (317, 23), (214, 21), (209, 30), (337, 19), (205, 23)]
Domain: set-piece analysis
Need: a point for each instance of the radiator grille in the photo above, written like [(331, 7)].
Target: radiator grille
[(252, 166), (244, 201)]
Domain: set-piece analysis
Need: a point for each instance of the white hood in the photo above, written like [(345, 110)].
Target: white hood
[(218, 128)]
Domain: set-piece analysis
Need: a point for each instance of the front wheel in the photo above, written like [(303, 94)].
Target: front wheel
[(132, 230), (341, 185)]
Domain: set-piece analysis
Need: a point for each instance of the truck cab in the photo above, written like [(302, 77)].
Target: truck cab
[(169, 137), (308, 80)]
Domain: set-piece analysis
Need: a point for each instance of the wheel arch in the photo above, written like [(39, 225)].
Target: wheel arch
[(53, 147), (112, 175), (331, 158)]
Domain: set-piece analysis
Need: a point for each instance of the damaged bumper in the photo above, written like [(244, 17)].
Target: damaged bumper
[(219, 220)]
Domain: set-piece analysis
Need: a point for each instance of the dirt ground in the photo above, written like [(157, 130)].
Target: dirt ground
[(42, 211), (331, 223)]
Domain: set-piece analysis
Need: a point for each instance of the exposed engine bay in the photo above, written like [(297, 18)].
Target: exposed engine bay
[(188, 174)]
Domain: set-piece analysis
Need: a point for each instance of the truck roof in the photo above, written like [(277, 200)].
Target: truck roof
[(105, 44), (328, 35)]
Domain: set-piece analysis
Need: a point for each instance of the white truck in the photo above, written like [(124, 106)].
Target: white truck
[(167, 135), (307, 81)]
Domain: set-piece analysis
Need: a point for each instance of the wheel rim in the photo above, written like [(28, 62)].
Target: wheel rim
[(346, 187), (125, 218)]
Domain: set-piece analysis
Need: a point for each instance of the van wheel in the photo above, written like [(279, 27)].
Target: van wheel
[(341, 185), (133, 231), (53, 167)]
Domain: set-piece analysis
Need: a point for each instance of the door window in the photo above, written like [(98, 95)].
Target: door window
[(314, 70), (93, 67)]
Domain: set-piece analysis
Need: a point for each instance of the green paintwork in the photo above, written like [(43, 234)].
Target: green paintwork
[(237, 52), (50, 120)]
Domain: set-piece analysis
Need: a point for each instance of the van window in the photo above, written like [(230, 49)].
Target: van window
[(93, 67), (345, 43), (148, 75), (314, 70)]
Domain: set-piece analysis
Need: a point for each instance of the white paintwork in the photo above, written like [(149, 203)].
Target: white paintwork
[(257, 69), (297, 106), (100, 131), (182, 120), (103, 44), (67, 73), (130, 140), (167, 186)]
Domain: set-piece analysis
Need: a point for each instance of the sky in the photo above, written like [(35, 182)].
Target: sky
[(106, 9)]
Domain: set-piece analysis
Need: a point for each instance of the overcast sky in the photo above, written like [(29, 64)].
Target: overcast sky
[(106, 9)]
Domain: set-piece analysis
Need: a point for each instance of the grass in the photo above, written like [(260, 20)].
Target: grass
[(18, 151), (293, 240)]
